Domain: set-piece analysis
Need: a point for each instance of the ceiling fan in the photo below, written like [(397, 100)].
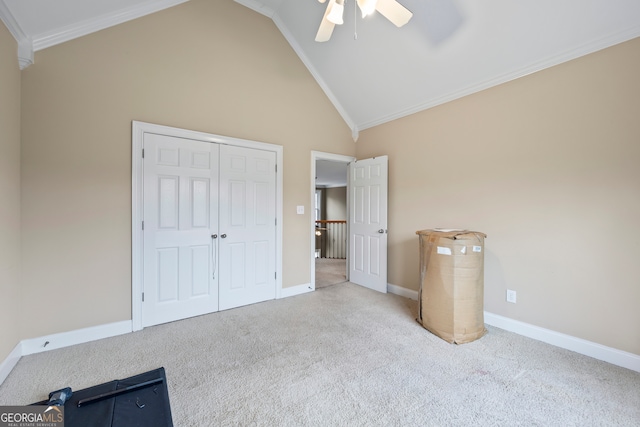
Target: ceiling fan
[(333, 15)]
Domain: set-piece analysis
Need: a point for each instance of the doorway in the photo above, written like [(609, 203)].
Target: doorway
[(329, 219), (366, 217)]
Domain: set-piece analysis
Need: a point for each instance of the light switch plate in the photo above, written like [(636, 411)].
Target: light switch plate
[(300, 210)]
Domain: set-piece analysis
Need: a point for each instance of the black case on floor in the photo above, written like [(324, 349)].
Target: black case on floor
[(145, 407)]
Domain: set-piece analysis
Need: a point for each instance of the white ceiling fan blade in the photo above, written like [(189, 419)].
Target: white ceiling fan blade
[(326, 26), (394, 12)]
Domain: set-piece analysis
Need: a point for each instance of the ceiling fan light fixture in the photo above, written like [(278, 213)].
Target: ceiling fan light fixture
[(336, 13), (367, 7)]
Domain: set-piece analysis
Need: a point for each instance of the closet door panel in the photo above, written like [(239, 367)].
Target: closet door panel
[(180, 191), (247, 221)]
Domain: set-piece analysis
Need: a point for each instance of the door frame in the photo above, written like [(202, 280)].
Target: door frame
[(319, 155), (138, 129)]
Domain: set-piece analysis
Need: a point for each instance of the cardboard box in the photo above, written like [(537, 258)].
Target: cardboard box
[(451, 296)]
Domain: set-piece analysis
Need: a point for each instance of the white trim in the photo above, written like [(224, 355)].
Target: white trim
[(317, 76), (292, 291), (315, 156), (25, 46), (10, 22), (138, 129), (137, 213), (79, 29), (611, 355), (79, 336), (280, 216), (10, 362), (588, 348), (568, 342), (257, 7), (403, 292), (25, 53), (602, 43)]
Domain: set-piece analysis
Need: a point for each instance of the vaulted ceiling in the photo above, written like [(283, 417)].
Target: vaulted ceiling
[(449, 49)]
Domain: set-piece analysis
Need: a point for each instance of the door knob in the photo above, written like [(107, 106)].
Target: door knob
[(214, 236), (224, 236), (381, 231)]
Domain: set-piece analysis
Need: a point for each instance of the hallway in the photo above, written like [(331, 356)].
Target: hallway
[(330, 271)]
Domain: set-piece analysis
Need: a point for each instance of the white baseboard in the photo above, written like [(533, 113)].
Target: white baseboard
[(79, 336), (597, 351), (10, 362), (588, 348), (403, 292), (295, 290), (568, 342)]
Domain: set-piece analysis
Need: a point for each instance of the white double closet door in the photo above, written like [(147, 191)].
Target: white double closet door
[(209, 227)]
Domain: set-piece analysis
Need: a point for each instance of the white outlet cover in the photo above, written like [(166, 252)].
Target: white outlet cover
[(300, 210)]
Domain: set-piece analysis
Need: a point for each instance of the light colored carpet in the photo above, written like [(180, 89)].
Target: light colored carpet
[(330, 271), (342, 356)]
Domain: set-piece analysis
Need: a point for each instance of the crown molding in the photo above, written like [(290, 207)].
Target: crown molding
[(316, 75), (25, 53), (28, 45), (25, 46), (10, 22), (585, 49), (257, 7), (70, 32)]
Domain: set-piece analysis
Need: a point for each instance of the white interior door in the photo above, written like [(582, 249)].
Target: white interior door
[(368, 223), (180, 217), (247, 226)]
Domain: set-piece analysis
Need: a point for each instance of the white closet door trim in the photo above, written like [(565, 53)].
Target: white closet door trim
[(137, 137)]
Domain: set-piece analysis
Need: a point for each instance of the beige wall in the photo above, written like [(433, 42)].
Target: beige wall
[(211, 66), (336, 203), (9, 193), (545, 165), (549, 167)]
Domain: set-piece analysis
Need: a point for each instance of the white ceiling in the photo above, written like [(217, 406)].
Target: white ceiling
[(331, 173), (449, 49)]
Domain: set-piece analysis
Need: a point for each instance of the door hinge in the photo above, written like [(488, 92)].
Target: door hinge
[(275, 275), (143, 297), (276, 168), (143, 153), (276, 221), (142, 225)]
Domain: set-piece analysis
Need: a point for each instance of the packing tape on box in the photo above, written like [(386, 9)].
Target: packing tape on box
[(444, 251)]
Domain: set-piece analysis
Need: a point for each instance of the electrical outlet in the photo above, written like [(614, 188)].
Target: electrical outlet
[(300, 210), (511, 296)]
